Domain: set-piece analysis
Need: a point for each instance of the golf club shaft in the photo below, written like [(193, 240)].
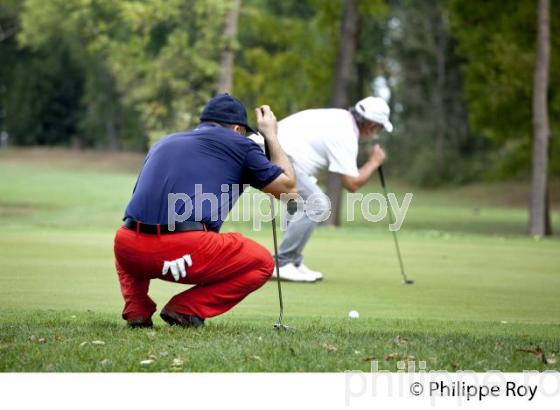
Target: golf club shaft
[(275, 241), (395, 239)]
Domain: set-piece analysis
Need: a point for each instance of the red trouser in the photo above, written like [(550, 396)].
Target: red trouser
[(225, 268)]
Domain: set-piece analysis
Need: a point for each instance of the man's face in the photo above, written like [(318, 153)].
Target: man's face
[(370, 131)]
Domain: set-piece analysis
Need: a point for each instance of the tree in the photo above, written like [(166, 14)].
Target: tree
[(43, 99), (165, 59), (497, 42), (432, 143), (541, 131), (288, 53), (504, 71), (79, 29), (8, 53), (39, 90), (344, 65), (344, 72), (8, 19), (225, 83), (154, 61)]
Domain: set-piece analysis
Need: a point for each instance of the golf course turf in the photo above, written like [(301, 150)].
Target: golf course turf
[(486, 296)]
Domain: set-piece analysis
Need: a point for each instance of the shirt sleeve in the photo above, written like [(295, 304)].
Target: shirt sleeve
[(258, 170), (342, 153)]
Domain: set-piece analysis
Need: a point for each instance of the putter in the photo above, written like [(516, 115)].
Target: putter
[(278, 325), (406, 281)]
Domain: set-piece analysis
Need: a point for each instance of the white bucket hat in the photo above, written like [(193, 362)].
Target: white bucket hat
[(376, 110)]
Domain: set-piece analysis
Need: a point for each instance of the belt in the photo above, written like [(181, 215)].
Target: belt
[(186, 226)]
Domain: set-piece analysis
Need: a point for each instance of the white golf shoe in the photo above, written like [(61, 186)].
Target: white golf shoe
[(310, 273), (290, 273)]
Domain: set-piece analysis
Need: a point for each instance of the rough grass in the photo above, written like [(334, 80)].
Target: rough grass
[(72, 341)]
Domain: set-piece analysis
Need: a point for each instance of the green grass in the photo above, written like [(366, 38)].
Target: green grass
[(62, 341), (483, 294)]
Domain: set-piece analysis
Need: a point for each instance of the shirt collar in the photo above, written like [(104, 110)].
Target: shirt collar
[(207, 125)]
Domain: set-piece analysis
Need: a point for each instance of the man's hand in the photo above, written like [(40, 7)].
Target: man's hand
[(285, 183), (376, 158), (266, 122), (377, 155), (177, 267)]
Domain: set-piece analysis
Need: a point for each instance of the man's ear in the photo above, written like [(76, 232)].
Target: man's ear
[(239, 129)]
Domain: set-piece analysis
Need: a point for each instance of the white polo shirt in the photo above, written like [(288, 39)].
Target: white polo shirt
[(321, 138)]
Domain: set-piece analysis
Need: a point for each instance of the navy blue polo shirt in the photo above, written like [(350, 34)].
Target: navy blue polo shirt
[(209, 156)]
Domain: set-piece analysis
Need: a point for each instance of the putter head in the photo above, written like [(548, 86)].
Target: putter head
[(281, 326), (408, 282)]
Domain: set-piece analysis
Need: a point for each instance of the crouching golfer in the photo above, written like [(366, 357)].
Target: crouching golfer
[(321, 139), (204, 165)]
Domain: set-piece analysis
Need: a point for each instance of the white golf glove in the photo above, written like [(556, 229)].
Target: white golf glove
[(177, 267)]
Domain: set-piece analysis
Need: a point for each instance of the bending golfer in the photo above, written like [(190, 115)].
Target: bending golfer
[(203, 166), (326, 139)]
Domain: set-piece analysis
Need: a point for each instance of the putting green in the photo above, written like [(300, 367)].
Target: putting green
[(457, 277)]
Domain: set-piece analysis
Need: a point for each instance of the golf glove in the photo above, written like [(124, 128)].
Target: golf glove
[(177, 267)]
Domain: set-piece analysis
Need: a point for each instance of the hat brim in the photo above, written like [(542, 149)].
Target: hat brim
[(388, 126), (250, 129), (247, 127)]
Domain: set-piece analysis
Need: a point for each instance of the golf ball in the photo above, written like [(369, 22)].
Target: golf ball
[(353, 314)]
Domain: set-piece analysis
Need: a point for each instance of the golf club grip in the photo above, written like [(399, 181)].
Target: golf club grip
[(381, 176), (266, 149), (380, 169)]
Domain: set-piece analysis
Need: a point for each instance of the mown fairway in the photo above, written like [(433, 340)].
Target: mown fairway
[(484, 292)]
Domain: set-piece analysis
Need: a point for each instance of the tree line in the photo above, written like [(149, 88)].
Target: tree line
[(468, 79)]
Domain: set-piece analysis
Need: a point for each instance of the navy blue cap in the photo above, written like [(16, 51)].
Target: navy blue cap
[(227, 109)]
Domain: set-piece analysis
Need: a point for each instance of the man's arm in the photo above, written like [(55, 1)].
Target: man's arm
[(376, 158), (285, 183)]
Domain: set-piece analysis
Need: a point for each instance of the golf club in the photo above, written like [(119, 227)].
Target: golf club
[(278, 325), (406, 281)]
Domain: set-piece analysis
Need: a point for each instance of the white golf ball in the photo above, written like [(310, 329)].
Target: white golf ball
[(353, 314)]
